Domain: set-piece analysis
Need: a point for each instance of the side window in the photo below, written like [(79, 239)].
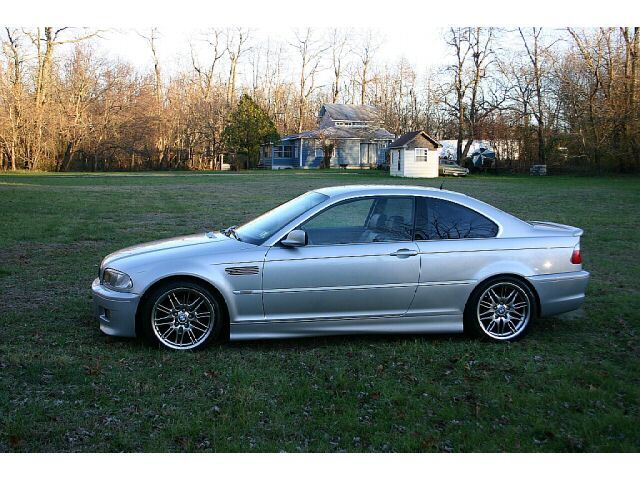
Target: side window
[(379, 219), (440, 220)]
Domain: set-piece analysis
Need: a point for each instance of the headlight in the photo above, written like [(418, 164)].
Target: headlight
[(117, 280)]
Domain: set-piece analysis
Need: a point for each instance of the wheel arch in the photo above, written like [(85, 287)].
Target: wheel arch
[(210, 287), (495, 276)]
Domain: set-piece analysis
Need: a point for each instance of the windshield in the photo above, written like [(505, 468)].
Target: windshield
[(258, 230)]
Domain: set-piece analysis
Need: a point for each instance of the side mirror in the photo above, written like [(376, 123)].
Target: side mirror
[(295, 238)]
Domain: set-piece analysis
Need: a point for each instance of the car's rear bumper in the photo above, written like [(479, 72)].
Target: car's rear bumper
[(560, 292), (116, 311)]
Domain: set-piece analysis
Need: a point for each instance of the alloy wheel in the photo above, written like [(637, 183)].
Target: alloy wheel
[(182, 318), (503, 311)]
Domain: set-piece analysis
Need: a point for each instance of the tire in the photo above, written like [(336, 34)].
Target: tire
[(500, 309), (181, 315)]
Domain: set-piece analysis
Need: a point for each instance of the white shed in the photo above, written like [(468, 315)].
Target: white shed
[(414, 154)]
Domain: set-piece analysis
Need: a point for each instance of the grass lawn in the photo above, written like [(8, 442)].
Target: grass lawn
[(573, 384)]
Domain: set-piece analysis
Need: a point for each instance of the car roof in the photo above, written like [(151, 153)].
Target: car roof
[(350, 190)]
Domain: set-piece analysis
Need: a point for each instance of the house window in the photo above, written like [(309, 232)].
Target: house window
[(400, 160), (319, 153), (356, 124), (421, 154), (282, 151)]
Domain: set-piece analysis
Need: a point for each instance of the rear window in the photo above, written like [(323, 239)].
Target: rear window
[(443, 220)]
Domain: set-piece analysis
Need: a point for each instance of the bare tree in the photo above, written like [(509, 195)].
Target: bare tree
[(338, 43), (631, 39), (205, 72), (46, 40), (236, 45), (14, 52), (161, 141), (368, 46), (310, 50), (538, 54)]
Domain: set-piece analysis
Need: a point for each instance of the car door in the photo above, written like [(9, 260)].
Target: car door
[(455, 242), (360, 261)]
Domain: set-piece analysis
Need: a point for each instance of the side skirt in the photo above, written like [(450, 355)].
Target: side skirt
[(312, 328)]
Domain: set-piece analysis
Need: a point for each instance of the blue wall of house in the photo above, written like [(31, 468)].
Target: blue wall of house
[(347, 152)]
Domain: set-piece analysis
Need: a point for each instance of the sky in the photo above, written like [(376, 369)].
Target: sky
[(422, 48)]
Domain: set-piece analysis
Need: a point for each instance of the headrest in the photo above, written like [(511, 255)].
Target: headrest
[(377, 220)]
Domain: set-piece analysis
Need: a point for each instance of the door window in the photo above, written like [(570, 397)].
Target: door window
[(366, 220), (438, 219)]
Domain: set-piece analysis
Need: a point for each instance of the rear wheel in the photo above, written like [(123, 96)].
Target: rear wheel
[(500, 309), (181, 315)]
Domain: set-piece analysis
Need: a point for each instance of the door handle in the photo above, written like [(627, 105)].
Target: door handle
[(403, 253)]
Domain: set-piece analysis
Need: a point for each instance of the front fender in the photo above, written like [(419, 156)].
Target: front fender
[(241, 293)]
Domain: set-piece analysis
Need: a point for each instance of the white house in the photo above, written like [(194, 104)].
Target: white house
[(414, 154)]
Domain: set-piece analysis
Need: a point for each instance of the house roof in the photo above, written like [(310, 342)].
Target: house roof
[(407, 138), (344, 133), (358, 113)]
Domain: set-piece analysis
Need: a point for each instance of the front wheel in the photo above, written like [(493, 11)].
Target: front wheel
[(181, 315), (500, 309)]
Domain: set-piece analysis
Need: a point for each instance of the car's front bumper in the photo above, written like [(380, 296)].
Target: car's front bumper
[(116, 311), (560, 292)]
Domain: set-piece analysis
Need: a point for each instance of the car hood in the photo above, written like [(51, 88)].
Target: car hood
[(213, 242)]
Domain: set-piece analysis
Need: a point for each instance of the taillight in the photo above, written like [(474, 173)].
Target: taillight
[(576, 257)]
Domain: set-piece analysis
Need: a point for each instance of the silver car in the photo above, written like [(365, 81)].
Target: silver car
[(343, 260)]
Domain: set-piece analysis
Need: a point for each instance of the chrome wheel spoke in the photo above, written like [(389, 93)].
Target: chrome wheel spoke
[(161, 324), (196, 327), (167, 332), (197, 303), (174, 300), (199, 326), (493, 296), (487, 305)]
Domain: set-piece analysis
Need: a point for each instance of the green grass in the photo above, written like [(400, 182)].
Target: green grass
[(573, 384)]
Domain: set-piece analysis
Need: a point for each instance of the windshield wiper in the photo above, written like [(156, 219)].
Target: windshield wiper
[(231, 232)]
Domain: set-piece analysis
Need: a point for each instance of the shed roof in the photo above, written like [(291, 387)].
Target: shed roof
[(405, 139), (358, 113)]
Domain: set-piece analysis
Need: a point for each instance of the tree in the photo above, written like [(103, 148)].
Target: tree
[(236, 46), (366, 51), (328, 145), (248, 127), (539, 55), (473, 54), (310, 50), (338, 42)]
